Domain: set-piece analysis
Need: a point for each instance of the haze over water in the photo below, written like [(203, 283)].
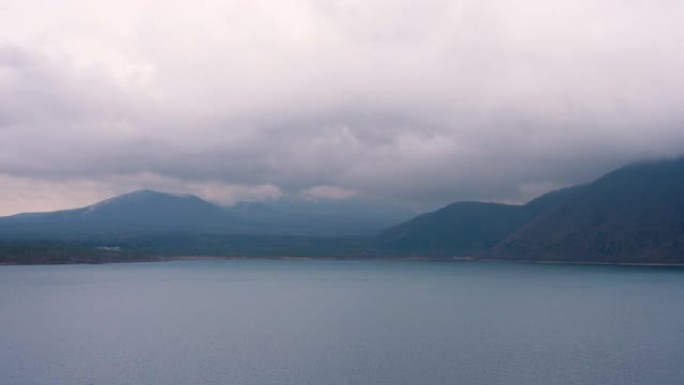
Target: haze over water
[(331, 322)]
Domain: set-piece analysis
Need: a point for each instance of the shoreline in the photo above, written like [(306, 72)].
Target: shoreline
[(341, 259), (645, 264)]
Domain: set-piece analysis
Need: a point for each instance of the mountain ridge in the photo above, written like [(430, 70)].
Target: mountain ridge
[(629, 214), (153, 212), (634, 214)]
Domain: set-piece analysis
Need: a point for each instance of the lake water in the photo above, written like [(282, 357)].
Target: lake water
[(327, 322)]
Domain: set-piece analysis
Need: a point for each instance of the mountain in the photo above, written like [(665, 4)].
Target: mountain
[(463, 228), (142, 211), (150, 212), (635, 213), (311, 217)]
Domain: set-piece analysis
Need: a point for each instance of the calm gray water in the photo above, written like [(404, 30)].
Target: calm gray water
[(318, 322)]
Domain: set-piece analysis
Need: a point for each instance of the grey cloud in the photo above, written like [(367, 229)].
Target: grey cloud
[(423, 102)]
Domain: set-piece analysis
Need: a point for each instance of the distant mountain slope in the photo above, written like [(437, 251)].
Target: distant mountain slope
[(635, 213), (142, 211), (310, 217), (461, 228), (151, 212), (466, 228)]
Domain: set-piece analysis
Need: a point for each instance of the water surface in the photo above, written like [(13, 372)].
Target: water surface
[(328, 322)]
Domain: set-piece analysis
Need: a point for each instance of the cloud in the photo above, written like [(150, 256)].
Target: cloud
[(323, 192), (30, 194), (421, 102)]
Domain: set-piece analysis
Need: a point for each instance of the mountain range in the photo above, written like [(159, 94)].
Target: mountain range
[(152, 212), (633, 214)]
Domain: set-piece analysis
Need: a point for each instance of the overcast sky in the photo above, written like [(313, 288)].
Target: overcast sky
[(423, 102)]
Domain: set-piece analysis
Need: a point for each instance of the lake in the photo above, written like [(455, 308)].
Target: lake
[(335, 322)]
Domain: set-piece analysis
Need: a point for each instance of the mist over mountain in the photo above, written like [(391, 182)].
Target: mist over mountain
[(151, 212), (424, 102), (633, 214)]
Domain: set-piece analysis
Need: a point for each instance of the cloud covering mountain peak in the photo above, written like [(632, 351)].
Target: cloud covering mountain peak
[(421, 102)]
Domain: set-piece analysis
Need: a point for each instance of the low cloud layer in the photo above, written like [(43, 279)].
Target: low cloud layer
[(418, 102)]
